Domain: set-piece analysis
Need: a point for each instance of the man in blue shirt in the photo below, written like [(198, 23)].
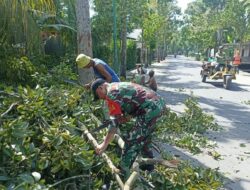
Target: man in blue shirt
[(101, 69)]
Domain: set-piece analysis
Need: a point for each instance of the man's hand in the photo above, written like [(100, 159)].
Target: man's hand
[(100, 148), (123, 119)]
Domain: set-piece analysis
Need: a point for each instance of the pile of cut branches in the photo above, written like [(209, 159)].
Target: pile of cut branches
[(42, 145)]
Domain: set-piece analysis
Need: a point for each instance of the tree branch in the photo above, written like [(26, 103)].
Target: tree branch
[(119, 141), (128, 184), (66, 179), (9, 109), (169, 164), (93, 141), (8, 94)]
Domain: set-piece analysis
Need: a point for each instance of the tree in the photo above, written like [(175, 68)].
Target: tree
[(124, 20), (236, 18), (19, 31), (84, 39)]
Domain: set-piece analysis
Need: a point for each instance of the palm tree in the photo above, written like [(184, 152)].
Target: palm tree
[(19, 31)]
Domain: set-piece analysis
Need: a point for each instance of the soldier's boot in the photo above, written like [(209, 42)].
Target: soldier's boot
[(147, 154)]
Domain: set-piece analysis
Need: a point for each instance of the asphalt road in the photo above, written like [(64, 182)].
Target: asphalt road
[(177, 78)]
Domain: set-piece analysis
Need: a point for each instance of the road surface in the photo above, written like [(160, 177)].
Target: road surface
[(176, 78)]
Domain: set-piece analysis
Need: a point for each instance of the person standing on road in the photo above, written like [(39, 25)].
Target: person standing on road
[(101, 69), (126, 100), (236, 61)]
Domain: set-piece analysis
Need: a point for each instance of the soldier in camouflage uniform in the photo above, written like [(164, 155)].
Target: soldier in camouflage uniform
[(126, 100)]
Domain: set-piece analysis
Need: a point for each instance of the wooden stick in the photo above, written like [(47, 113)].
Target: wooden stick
[(128, 184), (139, 160), (119, 141), (114, 170), (169, 164), (95, 118), (67, 179)]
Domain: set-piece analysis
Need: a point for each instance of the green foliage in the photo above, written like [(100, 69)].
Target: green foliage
[(103, 52), (195, 119), (187, 130), (212, 23), (29, 72), (17, 70), (41, 144), (19, 29), (186, 177), (58, 75), (131, 55), (247, 102), (39, 134), (152, 26)]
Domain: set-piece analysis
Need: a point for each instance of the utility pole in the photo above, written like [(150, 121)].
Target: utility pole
[(115, 59)]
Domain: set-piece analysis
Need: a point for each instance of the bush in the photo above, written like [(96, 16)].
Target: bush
[(131, 55), (17, 70)]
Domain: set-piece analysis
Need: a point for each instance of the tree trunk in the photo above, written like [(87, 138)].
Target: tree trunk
[(84, 39), (158, 53), (142, 49)]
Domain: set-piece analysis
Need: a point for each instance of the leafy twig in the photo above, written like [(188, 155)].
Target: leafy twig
[(67, 179), (9, 109)]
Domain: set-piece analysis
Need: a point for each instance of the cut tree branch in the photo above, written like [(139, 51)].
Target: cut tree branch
[(114, 169), (169, 164), (139, 160), (9, 109)]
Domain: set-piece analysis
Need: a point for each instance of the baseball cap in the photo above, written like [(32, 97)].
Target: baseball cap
[(82, 60), (95, 85)]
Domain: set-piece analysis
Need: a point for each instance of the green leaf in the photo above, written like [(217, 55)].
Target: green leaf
[(56, 168), (59, 141), (242, 145), (27, 178)]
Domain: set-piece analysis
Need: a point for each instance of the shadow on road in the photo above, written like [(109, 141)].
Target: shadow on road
[(180, 154), (219, 107), (231, 113), (235, 117), (234, 86), (174, 98)]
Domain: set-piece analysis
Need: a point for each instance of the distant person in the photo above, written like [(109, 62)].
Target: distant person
[(236, 61), (140, 76), (220, 59), (151, 83), (101, 69)]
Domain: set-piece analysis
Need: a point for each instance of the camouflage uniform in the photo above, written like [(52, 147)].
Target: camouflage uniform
[(141, 103)]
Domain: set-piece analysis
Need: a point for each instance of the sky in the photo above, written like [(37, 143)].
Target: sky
[(183, 4)]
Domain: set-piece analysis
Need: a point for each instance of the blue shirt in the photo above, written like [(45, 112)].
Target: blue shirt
[(114, 76)]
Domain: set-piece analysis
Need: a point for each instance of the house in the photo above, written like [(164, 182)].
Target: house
[(136, 35)]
